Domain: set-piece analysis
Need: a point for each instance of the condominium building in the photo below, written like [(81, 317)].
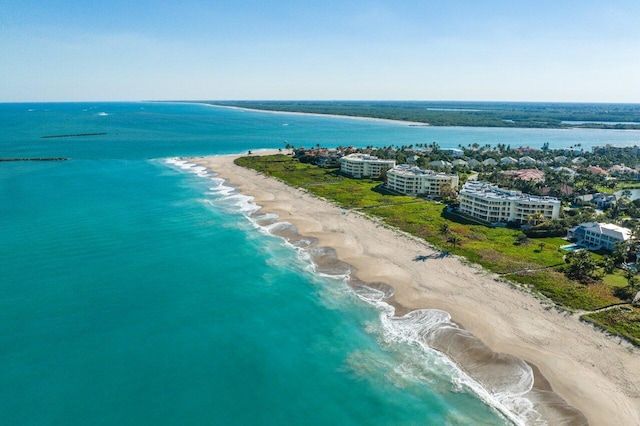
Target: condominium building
[(411, 180), (595, 236), (363, 165), (492, 204)]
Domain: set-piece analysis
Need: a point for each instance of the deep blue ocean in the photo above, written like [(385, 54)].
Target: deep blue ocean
[(136, 291)]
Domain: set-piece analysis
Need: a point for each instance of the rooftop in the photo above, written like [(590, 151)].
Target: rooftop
[(363, 157), (486, 190), (405, 169), (525, 174), (607, 229)]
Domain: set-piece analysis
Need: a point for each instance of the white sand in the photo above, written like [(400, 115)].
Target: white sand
[(314, 114), (598, 375)]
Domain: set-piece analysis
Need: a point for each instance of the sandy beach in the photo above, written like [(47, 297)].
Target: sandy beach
[(312, 114), (597, 375)]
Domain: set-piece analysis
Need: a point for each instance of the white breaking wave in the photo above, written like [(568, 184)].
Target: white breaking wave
[(278, 226), (191, 167), (417, 327), (266, 216)]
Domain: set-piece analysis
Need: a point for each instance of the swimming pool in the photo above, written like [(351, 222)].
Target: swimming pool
[(572, 247)]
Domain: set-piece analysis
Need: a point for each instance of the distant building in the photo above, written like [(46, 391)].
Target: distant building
[(440, 164), (508, 161), (597, 170), (566, 170), (492, 204), (490, 162), (526, 174), (410, 180), (527, 161), (526, 149), (596, 236), (599, 199), (579, 160), (363, 165), (460, 163), (560, 159), (453, 151), (621, 169), (473, 163)]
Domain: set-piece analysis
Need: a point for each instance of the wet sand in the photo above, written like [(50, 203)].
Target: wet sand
[(579, 373)]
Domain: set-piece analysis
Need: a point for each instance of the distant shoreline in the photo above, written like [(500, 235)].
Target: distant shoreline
[(314, 114), (463, 114)]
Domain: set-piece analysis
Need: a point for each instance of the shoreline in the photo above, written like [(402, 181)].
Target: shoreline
[(408, 123), (315, 114), (590, 371)]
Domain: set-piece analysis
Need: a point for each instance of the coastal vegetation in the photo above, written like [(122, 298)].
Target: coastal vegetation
[(621, 321), (583, 283), (477, 114)]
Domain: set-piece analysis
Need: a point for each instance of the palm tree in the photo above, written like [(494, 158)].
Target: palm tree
[(632, 280), (620, 252), (444, 229), (608, 264), (535, 218), (582, 266), (454, 240)]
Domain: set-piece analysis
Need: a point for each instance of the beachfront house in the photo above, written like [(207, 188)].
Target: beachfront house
[(596, 236), (364, 165), (409, 180), (492, 204)]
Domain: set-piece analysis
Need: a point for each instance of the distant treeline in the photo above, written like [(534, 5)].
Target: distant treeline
[(72, 135), (477, 114)]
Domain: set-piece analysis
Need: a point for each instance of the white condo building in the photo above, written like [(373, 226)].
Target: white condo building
[(363, 165), (595, 236), (411, 180), (492, 204)]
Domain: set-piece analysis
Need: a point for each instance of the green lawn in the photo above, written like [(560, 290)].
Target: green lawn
[(537, 263)]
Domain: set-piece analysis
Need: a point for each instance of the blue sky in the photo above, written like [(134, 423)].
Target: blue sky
[(574, 51)]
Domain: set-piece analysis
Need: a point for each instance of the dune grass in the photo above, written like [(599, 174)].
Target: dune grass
[(625, 323)]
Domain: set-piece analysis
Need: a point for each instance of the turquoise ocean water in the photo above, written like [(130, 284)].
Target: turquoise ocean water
[(136, 289)]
